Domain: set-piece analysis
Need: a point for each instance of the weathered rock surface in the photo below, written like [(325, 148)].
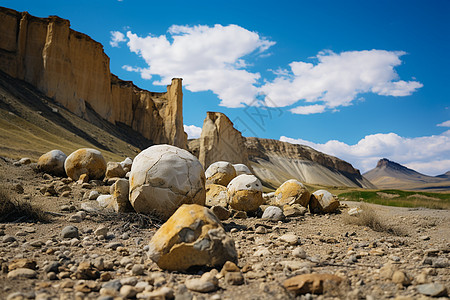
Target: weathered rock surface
[(220, 141), (52, 162), (71, 68), (114, 169), (220, 172), (216, 195), (274, 162), (292, 191), (245, 193), (323, 202), (193, 236), (310, 283), (242, 169), (85, 161), (164, 177)]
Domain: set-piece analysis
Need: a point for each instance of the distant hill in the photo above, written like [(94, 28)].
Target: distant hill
[(388, 174)]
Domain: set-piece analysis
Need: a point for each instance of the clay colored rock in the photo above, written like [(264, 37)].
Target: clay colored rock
[(323, 202), (85, 161), (292, 191), (242, 169), (164, 177), (245, 193), (216, 195), (193, 236), (220, 172), (52, 162), (310, 283)]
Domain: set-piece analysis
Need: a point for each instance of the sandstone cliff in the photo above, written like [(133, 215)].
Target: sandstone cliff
[(71, 68), (220, 141), (275, 162)]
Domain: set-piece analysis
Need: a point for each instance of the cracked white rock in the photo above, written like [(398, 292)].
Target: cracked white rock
[(220, 172), (242, 169), (164, 177)]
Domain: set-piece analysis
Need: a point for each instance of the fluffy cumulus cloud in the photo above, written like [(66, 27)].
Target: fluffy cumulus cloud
[(207, 58), (192, 131), (444, 124), (338, 79), (218, 58), (116, 38), (429, 154)]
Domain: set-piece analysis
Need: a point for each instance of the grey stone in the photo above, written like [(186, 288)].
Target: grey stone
[(70, 232), (273, 213), (432, 289), (198, 285)]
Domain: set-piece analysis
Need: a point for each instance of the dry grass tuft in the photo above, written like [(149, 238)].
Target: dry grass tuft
[(12, 210), (369, 218)]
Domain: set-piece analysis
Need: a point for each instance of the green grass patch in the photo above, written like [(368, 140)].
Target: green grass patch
[(400, 198)]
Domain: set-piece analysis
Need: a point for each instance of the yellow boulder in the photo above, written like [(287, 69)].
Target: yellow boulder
[(292, 191)]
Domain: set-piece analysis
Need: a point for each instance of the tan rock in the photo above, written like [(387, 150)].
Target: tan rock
[(323, 202), (193, 236), (114, 169), (120, 195), (22, 263), (291, 192), (52, 162), (245, 193), (164, 177), (85, 161), (216, 195), (310, 283), (220, 141), (220, 172)]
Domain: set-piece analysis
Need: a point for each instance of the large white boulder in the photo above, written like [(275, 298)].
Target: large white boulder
[(245, 193), (52, 162), (220, 172), (85, 161), (164, 177), (242, 169)]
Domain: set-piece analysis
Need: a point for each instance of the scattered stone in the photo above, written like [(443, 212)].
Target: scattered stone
[(401, 278), (220, 172), (239, 214), (299, 252), (241, 169), (290, 238), (137, 270), (114, 169), (216, 195), (245, 193), (85, 161), (52, 162), (199, 285), (120, 195), (70, 232), (221, 212), (261, 230), (273, 213), (294, 210), (164, 177), (101, 230), (310, 283), (292, 191), (93, 195), (323, 201), (193, 236), (22, 263), (86, 270), (22, 273), (8, 239), (128, 291), (432, 289)]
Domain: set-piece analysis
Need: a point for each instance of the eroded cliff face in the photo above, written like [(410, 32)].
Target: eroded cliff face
[(275, 162), (220, 141), (71, 68)]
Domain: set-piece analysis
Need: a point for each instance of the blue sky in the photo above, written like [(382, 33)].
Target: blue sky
[(360, 80)]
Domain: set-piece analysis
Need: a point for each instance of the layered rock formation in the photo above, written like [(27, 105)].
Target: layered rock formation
[(220, 141), (71, 68), (275, 162)]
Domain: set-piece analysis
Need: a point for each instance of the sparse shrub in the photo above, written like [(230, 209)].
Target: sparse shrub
[(12, 210), (369, 218)]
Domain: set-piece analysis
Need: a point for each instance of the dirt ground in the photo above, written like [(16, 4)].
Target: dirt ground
[(416, 243)]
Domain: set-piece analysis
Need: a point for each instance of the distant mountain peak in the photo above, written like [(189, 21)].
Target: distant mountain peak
[(386, 163)]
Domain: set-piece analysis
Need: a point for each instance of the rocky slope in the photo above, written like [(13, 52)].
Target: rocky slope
[(71, 68), (275, 162), (389, 174), (88, 255)]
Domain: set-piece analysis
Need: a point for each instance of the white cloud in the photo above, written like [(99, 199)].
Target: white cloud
[(338, 79), (116, 38), (429, 154), (309, 109), (207, 58), (192, 131), (444, 124)]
